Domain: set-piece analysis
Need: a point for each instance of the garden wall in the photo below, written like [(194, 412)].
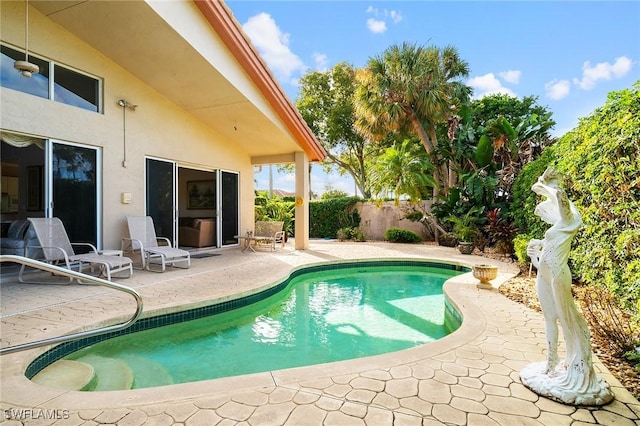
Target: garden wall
[(376, 219)]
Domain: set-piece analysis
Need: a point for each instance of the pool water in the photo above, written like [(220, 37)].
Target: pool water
[(319, 317)]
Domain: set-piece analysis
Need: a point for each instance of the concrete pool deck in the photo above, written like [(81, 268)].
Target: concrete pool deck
[(470, 377)]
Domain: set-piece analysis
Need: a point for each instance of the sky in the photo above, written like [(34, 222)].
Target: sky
[(569, 54)]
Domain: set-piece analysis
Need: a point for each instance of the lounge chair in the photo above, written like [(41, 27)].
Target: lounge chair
[(53, 246), (268, 234), (142, 236)]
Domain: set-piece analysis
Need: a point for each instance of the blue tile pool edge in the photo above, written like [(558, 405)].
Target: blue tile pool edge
[(64, 349)]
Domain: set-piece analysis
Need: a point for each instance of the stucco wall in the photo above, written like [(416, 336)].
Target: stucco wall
[(375, 220), (157, 128)]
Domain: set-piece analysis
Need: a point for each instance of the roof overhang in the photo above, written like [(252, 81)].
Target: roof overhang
[(196, 55)]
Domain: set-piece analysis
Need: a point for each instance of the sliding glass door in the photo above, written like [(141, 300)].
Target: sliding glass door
[(161, 196), (230, 207), (74, 179)]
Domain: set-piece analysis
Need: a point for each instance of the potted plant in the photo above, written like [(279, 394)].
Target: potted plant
[(466, 230)]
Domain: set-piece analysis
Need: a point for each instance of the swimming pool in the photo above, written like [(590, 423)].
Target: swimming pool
[(320, 314)]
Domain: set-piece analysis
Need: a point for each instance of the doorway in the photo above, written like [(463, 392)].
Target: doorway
[(193, 206), (45, 178)]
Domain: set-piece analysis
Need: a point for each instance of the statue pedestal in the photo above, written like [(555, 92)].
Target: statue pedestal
[(558, 386)]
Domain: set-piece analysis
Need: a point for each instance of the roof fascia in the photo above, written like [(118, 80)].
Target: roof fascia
[(222, 21)]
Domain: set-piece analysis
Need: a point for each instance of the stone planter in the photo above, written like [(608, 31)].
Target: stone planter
[(465, 247), (485, 273)]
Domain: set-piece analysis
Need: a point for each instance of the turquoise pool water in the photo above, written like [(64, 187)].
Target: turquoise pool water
[(319, 317)]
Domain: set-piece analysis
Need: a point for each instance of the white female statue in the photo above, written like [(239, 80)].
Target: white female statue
[(573, 380)]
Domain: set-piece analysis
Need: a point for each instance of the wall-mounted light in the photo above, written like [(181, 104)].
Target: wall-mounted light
[(125, 105), (26, 68)]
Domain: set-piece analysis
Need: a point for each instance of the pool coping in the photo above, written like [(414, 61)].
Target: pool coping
[(19, 390)]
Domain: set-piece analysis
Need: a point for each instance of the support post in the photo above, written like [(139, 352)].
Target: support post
[(302, 201)]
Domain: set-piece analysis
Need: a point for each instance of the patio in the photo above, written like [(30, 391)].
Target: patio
[(470, 377)]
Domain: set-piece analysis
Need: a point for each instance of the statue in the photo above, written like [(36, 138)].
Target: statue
[(572, 380)]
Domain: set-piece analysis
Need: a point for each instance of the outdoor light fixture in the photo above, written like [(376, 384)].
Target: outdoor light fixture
[(124, 104), (26, 68)]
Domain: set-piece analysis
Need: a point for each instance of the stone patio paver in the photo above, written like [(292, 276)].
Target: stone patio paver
[(468, 378)]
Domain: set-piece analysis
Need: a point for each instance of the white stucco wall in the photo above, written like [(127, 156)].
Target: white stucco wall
[(158, 128)]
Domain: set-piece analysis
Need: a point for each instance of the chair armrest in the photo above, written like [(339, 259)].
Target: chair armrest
[(130, 244), (164, 240), (93, 248), (52, 248)]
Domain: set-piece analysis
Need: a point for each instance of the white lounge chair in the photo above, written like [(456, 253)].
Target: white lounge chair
[(142, 236), (54, 247)]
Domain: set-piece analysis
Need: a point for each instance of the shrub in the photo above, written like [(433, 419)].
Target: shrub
[(520, 243), (608, 320), (327, 216), (355, 234), (399, 235)]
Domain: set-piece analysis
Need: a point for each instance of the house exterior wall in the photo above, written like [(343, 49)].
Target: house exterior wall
[(157, 128)]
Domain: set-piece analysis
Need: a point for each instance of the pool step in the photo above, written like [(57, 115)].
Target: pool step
[(148, 373), (111, 373), (68, 375)]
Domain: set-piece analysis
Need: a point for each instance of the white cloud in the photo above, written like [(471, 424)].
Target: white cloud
[(273, 46), (376, 26), (511, 76), (488, 84), (395, 16), (557, 89), (602, 71), (320, 59)]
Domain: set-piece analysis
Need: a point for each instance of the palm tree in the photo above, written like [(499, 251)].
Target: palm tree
[(403, 170), (411, 88)]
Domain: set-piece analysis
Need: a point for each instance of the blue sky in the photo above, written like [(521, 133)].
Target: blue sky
[(569, 54)]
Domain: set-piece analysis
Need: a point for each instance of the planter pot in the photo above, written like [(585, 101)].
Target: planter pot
[(465, 248), (485, 273)]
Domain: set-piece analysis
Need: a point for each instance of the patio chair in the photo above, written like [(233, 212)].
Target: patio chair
[(268, 234), (142, 236), (51, 245)]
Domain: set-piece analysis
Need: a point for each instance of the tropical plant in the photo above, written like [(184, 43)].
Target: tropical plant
[(275, 209), (404, 170), (466, 227), (500, 231), (411, 88)]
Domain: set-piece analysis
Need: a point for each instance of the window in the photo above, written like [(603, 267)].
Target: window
[(37, 85), (69, 87), (76, 89)]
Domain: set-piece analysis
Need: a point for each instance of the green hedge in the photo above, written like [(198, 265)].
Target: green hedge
[(327, 216), (600, 161)]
